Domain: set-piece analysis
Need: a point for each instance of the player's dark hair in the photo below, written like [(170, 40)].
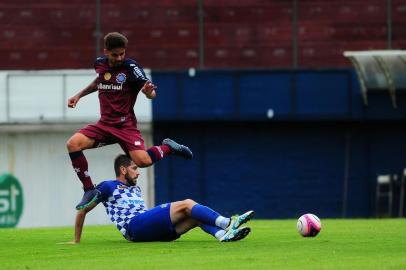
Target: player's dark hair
[(115, 40), (121, 160)]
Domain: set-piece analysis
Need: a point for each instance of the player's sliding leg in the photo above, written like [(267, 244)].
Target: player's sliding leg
[(215, 231), (219, 233), (75, 145), (223, 228), (207, 215), (224, 233), (235, 234)]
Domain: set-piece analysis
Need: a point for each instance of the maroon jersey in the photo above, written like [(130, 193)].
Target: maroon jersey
[(118, 89)]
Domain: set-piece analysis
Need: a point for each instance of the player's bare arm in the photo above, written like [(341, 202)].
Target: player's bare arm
[(75, 99), (80, 220), (149, 90)]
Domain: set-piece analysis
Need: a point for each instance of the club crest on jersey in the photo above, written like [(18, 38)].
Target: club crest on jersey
[(107, 76), (120, 78)]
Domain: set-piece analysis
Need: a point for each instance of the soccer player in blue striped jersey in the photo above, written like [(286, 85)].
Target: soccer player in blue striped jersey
[(166, 222)]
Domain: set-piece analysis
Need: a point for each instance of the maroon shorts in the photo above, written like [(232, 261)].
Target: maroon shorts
[(127, 135)]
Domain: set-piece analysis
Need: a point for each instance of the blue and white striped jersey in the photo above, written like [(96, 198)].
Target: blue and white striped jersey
[(122, 202)]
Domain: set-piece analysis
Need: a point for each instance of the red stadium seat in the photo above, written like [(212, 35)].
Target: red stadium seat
[(174, 58), (330, 54), (251, 57), (61, 58), (342, 11), (253, 33)]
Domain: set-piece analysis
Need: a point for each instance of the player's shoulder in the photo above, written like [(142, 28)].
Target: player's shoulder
[(107, 187), (131, 63), (106, 183), (100, 60), (135, 69), (100, 64)]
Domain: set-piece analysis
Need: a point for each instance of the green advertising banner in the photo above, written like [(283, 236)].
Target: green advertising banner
[(11, 201)]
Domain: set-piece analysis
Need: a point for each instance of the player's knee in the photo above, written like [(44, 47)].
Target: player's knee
[(189, 202), (71, 145), (142, 161), (188, 205)]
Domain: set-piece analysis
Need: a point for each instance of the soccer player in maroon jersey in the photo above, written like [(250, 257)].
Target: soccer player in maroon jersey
[(118, 81)]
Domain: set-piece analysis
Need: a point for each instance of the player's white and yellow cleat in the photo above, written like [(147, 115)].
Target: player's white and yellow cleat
[(235, 234), (237, 220)]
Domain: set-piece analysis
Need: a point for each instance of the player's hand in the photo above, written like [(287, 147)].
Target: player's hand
[(73, 101), (148, 88)]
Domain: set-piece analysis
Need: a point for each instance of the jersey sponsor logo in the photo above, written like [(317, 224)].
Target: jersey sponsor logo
[(120, 78), (11, 200), (164, 205), (131, 201), (102, 86), (107, 76), (137, 143)]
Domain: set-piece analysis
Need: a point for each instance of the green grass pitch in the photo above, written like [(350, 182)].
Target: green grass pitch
[(272, 244)]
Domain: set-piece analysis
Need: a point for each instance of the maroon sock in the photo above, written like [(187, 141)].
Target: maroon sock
[(79, 164), (158, 152)]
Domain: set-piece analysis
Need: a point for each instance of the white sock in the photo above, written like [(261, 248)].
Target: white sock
[(220, 234), (222, 222)]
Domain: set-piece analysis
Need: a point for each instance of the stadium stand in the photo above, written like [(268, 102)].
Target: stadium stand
[(326, 29), (236, 34)]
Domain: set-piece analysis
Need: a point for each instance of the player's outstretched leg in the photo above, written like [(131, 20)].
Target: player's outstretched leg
[(89, 197), (235, 234), (178, 149), (238, 220), (75, 145)]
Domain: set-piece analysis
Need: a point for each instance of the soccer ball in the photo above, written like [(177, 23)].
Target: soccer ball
[(308, 225)]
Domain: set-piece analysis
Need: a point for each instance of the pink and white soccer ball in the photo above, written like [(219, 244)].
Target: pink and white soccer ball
[(308, 225)]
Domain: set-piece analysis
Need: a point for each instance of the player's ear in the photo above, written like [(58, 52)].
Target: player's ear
[(123, 170), (105, 51)]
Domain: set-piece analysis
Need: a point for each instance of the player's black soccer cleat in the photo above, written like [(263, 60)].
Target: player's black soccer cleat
[(178, 149), (89, 197)]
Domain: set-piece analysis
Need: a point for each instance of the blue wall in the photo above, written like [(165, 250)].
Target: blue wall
[(293, 163), (248, 95)]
